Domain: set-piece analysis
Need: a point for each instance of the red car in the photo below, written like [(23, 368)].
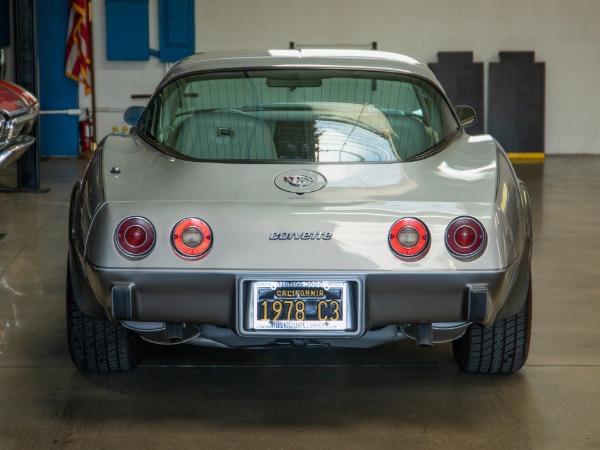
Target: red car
[(18, 112)]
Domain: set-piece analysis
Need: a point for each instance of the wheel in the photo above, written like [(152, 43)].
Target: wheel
[(501, 348), (99, 345)]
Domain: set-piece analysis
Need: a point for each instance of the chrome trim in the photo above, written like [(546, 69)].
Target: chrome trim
[(13, 127), (28, 112), (14, 152)]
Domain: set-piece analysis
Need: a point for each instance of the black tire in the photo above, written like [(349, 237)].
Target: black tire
[(499, 349), (98, 345)]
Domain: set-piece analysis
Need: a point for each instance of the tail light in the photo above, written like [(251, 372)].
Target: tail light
[(135, 236), (191, 238), (465, 236), (409, 237)]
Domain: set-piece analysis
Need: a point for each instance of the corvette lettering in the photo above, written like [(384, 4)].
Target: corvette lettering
[(304, 236)]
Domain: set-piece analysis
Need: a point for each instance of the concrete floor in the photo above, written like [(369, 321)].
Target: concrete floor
[(396, 396)]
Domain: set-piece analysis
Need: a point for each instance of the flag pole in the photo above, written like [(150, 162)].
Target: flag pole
[(93, 74)]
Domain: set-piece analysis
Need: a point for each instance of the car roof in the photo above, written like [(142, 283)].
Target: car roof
[(321, 58)]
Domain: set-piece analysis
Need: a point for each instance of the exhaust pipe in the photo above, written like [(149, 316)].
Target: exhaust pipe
[(173, 332), (424, 334)]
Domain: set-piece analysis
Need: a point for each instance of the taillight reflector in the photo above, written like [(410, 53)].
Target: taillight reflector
[(135, 236), (465, 236), (409, 237), (191, 238)]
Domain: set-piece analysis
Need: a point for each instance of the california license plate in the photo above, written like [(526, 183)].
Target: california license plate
[(300, 305)]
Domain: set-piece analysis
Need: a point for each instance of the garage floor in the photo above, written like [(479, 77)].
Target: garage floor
[(396, 396)]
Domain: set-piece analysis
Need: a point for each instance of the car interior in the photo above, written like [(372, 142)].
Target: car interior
[(315, 119)]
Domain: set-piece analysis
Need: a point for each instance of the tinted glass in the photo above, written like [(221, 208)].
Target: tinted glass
[(299, 115)]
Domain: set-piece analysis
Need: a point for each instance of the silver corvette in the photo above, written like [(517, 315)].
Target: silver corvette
[(312, 197)]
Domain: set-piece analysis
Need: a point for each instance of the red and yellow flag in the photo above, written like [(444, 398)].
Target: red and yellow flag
[(78, 56)]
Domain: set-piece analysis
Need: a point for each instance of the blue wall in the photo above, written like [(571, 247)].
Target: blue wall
[(177, 29), (127, 38), (58, 132)]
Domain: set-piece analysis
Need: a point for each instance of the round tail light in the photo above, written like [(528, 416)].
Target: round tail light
[(465, 236), (135, 236), (191, 238), (409, 237)]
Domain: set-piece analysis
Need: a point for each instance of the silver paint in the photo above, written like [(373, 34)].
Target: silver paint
[(355, 205)]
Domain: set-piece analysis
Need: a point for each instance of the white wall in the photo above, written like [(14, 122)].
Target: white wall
[(564, 34)]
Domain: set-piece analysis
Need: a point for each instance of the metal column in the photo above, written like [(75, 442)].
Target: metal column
[(28, 168)]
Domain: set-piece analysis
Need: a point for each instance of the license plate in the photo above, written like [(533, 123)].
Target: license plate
[(300, 305)]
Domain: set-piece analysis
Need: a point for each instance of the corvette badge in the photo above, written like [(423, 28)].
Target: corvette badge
[(299, 180)]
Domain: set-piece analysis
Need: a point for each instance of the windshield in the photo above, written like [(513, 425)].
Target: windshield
[(300, 115)]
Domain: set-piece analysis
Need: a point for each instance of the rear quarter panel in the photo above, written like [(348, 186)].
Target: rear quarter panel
[(359, 205)]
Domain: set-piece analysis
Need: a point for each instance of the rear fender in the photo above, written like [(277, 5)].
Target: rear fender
[(519, 289), (82, 291)]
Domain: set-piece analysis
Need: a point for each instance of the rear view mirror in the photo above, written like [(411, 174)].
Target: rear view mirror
[(466, 115), (294, 82), (133, 114)]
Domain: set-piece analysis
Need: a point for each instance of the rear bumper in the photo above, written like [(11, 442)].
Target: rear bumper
[(383, 298)]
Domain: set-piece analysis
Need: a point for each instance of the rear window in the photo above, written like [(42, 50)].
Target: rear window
[(300, 115)]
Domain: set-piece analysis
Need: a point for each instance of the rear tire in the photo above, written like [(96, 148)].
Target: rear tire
[(499, 349), (98, 345)]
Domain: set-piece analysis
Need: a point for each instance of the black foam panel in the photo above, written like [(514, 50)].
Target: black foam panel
[(462, 80), (516, 102)]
